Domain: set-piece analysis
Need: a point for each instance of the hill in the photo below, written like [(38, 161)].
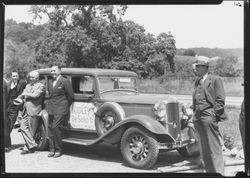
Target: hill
[(213, 52)]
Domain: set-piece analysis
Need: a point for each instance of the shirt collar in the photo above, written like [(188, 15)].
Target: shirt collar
[(204, 77)]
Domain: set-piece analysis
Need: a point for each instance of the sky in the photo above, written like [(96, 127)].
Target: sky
[(212, 26)]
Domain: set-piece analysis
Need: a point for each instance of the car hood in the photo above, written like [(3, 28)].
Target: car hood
[(141, 98)]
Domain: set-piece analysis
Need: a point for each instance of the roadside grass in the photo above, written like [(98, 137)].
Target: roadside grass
[(230, 128), (185, 87)]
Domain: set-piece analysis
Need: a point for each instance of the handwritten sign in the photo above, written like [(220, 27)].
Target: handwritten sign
[(82, 115)]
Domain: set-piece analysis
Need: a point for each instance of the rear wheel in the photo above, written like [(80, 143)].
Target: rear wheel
[(40, 136), (109, 115), (139, 148)]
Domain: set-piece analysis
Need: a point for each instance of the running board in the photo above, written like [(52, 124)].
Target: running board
[(78, 141)]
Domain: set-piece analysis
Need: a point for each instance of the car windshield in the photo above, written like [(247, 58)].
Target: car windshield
[(117, 83)]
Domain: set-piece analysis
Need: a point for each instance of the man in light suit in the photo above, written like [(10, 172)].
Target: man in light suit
[(14, 89), (33, 95), (208, 106), (60, 98)]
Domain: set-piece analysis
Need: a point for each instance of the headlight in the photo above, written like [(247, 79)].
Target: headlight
[(160, 110)]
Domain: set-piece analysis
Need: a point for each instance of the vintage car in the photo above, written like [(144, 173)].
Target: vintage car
[(108, 107)]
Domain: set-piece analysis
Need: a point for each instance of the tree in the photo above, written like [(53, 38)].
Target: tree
[(166, 46), (227, 67), (17, 57), (96, 36)]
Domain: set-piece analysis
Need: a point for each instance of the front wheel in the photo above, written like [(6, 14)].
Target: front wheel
[(139, 148)]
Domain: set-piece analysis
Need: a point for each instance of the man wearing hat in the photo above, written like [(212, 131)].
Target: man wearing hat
[(208, 106), (33, 95)]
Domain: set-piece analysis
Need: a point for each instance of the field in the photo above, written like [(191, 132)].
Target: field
[(229, 128), (185, 86)]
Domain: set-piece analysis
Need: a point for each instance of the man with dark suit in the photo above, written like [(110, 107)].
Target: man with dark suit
[(60, 98), (33, 95), (208, 106), (14, 89)]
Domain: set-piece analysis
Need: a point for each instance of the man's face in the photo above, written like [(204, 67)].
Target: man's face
[(55, 72), (33, 78), (14, 76), (200, 70)]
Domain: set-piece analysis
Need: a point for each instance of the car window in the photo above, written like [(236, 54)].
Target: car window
[(110, 83), (82, 84)]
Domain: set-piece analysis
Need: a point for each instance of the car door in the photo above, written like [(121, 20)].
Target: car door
[(82, 110)]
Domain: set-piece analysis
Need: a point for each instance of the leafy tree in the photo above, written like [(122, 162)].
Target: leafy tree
[(96, 36), (17, 57), (166, 46), (226, 67)]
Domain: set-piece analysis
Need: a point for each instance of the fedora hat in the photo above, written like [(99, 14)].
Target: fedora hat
[(202, 61)]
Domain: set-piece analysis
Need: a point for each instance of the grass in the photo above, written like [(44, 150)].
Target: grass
[(230, 128), (185, 87)]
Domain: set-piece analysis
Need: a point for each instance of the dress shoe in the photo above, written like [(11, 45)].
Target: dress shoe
[(27, 151), (51, 154), (57, 154)]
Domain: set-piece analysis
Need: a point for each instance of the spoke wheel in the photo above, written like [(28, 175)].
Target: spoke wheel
[(139, 148), (108, 120), (40, 137), (107, 117)]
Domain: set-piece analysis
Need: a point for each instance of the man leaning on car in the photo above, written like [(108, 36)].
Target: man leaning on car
[(33, 96), (60, 98)]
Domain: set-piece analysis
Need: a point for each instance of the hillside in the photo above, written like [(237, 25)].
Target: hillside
[(213, 52)]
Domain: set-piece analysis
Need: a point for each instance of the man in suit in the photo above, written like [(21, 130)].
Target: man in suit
[(14, 89), (60, 98), (33, 95), (208, 106)]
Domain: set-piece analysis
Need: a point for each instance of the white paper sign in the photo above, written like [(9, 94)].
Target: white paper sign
[(82, 115)]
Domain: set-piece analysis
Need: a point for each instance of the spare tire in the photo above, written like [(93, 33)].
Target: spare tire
[(107, 116)]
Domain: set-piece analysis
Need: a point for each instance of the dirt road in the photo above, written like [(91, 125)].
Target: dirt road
[(95, 159)]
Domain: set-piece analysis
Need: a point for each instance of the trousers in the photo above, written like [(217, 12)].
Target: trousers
[(9, 124), (55, 133), (207, 127), (28, 132)]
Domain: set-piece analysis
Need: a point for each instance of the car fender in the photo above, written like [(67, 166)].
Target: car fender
[(114, 134)]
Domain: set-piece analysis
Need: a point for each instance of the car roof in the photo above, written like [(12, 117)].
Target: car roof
[(90, 71)]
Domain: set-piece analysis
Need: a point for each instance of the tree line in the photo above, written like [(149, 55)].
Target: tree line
[(91, 36)]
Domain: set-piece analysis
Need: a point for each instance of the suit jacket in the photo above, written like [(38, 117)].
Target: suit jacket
[(215, 95), (20, 87), (60, 96), (34, 98)]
